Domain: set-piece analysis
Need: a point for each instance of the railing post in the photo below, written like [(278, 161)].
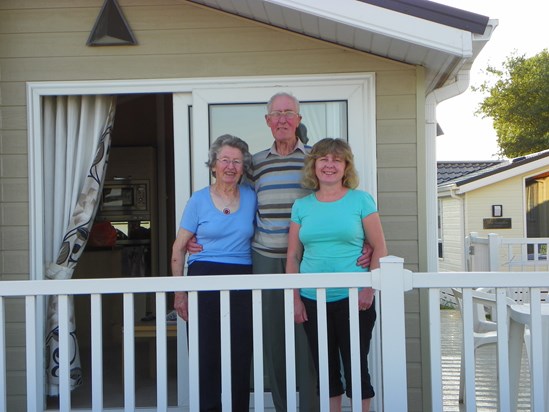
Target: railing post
[(469, 251), (494, 243), (31, 354), (392, 280)]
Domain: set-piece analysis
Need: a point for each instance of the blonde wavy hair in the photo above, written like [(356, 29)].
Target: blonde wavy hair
[(337, 147)]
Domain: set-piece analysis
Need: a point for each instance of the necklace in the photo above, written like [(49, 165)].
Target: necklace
[(220, 203)]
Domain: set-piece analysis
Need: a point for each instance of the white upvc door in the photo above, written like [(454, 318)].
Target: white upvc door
[(331, 106)]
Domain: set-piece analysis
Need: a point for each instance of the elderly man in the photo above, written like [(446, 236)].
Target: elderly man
[(276, 177)]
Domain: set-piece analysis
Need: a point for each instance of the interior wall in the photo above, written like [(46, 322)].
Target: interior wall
[(135, 121), (147, 120)]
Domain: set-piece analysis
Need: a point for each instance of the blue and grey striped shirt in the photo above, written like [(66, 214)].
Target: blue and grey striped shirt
[(277, 183)]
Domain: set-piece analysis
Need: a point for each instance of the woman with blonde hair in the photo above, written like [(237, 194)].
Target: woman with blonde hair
[(327, 232)]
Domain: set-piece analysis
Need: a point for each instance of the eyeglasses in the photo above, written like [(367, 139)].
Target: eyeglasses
[(288, 114), (226, 162)]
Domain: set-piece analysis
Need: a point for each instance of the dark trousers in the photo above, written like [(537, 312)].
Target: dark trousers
[(339, 344), (274, 345), (209, 335)]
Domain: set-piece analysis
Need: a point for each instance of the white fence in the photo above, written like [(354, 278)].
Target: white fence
[(495, 253), (391, 280)]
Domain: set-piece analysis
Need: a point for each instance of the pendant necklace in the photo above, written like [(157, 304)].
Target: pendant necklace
[(225, 207)]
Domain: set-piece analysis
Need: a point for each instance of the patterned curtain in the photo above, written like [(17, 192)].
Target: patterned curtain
[(77, 139)]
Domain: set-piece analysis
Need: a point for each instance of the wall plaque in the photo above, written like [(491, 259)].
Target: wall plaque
[(496, 223)]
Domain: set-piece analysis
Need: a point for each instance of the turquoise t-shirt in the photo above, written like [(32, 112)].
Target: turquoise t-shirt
[(332, 236), (225, 238)]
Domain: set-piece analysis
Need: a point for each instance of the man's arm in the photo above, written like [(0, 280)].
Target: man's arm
[(365, 259), (293, 260)]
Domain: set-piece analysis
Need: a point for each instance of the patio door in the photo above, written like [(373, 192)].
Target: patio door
[(331, 107)]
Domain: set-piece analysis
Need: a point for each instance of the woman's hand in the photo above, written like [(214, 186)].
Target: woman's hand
[(181, 305), (365, 298), (300, 314)]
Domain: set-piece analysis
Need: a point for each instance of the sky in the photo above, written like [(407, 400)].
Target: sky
[(522, 28)]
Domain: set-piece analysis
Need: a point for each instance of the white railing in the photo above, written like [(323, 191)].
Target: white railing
[(391, 280), (497, 253), (477, 253)]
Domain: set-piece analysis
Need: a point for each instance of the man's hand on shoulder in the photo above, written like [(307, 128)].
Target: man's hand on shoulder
[(193, 246)]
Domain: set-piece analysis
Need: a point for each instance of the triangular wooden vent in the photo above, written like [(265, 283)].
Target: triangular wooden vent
[(111, 28)]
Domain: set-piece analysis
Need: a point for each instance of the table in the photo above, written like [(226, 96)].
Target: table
[(147, 331), (520, 317)]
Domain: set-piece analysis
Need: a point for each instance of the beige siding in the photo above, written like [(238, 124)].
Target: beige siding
[(201, 43), (46, 41), (461, 217), (508, 193), (397, 111), (453, 239)]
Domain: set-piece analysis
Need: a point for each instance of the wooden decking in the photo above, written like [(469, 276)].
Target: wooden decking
[(486, 370)]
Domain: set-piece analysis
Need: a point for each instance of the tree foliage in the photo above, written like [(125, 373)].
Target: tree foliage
[(518, 103)]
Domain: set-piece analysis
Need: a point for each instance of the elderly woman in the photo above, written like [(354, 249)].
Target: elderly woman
[(222, 218), (327, 231)]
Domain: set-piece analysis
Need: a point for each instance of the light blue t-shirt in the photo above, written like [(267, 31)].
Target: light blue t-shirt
[(332, 236), (225, 238)]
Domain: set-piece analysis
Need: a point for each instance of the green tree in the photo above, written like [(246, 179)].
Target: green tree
[(518, 103)]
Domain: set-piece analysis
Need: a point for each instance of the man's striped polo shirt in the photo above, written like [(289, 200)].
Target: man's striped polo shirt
[(277, 182)]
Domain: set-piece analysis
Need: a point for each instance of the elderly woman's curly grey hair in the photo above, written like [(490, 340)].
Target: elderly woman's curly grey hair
[(231, 141)]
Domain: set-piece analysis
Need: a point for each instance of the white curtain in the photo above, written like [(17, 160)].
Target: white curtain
[(76, 141), (325, 119)]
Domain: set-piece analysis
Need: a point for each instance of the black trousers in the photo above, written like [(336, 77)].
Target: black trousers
[(339, 344), (209, 340)]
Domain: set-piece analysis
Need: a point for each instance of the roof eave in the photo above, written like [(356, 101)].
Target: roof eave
[(441, 76), (505, 172), (446, 189), (442, 49)]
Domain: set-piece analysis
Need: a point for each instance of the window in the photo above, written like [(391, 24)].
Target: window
[(322, 119)]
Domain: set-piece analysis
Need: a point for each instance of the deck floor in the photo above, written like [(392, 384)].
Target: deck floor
[(486, 370)]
